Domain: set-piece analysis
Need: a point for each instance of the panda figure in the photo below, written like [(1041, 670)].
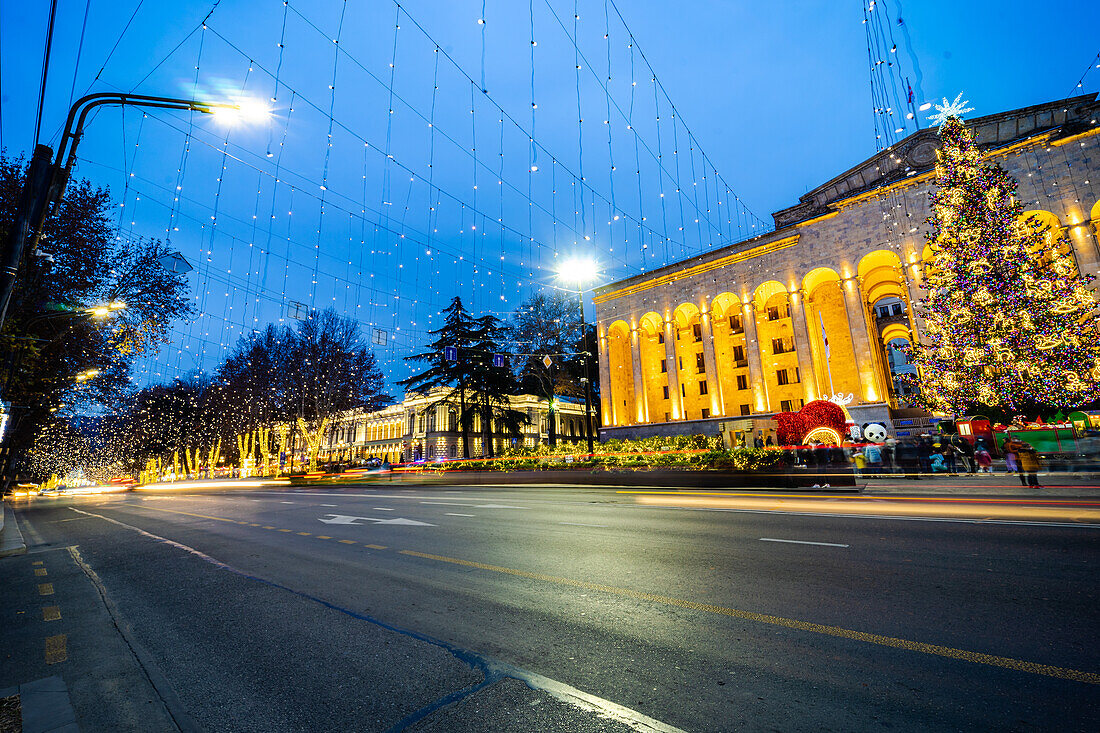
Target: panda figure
[(874, 432)]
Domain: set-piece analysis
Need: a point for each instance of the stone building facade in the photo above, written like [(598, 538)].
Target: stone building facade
[(818, 307), (425, 427)]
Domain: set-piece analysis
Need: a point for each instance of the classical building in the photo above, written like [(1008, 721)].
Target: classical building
[(819, 306), (425, 426)]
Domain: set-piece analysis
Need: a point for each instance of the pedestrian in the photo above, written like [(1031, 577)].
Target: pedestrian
[(948, 453), (1028, 460), (935, 459), (758, 441), (924, 454), (888, 451), (873, 456), (964, 451), (860, 462), (982, 458), (1010, 448)]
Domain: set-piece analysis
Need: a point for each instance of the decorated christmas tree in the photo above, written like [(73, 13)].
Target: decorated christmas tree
[(1009, 321)]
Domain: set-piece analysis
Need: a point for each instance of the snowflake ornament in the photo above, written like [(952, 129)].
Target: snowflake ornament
[(950, 109)]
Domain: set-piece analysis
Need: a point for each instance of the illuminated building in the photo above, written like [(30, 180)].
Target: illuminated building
[(817, 307)]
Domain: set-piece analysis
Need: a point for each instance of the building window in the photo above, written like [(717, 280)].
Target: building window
[(736, 325), (738, 353), (706, 413), (666, 417), (697, 332), (702, 387), (431, 451), (700, 364), (665, 388), (680, 360), (431, 419), (664, 366), (775, 312), (782, 345), (420, 424), (786, 406), (683, 390), (781, 377), (745, 410), (742, 381), (453, 451), (660, 337)]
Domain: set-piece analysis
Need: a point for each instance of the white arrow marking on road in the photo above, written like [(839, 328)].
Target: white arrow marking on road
[(497, 506), (346, 519)]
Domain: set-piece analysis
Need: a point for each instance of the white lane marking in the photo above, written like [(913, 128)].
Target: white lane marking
[(382, 509), (497, 506), (332, 505), (346, 519), (566, 693), (581, 524), (456, 514), (444, 503), (286, 502), (1013, 522), (802, 542)]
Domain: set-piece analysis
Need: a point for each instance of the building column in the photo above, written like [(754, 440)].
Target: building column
[(641, 404), (803, 348), (608, 409), (1083, 240), (673, 369), (861, 344), (757, 382), (714, 384)]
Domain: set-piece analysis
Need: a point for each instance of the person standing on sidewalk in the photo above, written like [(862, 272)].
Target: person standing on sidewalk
[(964, 451), (1029, 462), (1011, 446)]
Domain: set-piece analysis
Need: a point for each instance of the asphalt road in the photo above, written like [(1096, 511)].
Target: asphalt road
[(427, 609)]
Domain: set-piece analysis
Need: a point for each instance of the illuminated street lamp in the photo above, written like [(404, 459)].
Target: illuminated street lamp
[(580, 271), (102, 311), (47, 177), (87, 374)]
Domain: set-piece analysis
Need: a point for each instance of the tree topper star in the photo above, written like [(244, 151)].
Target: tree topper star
[(950, 109)]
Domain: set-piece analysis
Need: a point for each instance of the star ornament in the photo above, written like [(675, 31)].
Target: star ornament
[(950, 109)]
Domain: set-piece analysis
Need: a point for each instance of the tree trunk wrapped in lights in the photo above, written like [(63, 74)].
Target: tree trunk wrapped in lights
[(1010, 324)]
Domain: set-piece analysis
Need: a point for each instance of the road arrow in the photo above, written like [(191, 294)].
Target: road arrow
[(346, 519)]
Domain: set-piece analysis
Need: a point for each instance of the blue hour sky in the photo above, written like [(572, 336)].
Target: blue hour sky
[(383, 191)]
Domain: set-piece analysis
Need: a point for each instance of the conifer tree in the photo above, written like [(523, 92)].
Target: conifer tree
[(1009, 321), (459, 331)]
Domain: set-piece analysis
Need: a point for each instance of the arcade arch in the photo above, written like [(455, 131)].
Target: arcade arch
[(621, 371)]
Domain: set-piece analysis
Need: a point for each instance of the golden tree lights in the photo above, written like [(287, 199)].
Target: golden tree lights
[(1009, 321)]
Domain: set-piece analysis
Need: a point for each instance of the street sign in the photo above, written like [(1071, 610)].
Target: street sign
[(547, 361), (498, 360), (450, 353), (296, 310), (379, 337), (175, 262)]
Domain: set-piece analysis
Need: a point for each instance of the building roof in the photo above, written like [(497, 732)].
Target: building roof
[(909, 157)]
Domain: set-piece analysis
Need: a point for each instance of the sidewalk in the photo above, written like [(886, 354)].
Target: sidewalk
[(1053, 484)]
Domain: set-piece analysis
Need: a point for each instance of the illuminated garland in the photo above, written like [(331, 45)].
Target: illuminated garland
[(1009, 321)]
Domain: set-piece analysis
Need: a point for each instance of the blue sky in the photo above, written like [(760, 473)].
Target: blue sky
[(775, 95)]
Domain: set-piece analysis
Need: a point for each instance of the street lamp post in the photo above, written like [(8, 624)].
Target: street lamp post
[(46, 180), (579, 272)]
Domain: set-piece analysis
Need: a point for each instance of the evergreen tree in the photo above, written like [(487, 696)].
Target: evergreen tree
[(1009, 321), (459, 331), (492, 385)]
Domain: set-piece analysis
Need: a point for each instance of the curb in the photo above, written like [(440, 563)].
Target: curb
[(11, 539), (45, 706)]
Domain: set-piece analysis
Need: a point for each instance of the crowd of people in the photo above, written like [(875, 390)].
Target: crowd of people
[(919, 456)]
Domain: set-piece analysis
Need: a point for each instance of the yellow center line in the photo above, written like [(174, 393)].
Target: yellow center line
[(837, 631), (305, 534), (51, 613), (55, 649), (40, 572), (323, 537), (376, 547), (347, 542), (286, 530), (45, 589), (36, 562), (266, 527)]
